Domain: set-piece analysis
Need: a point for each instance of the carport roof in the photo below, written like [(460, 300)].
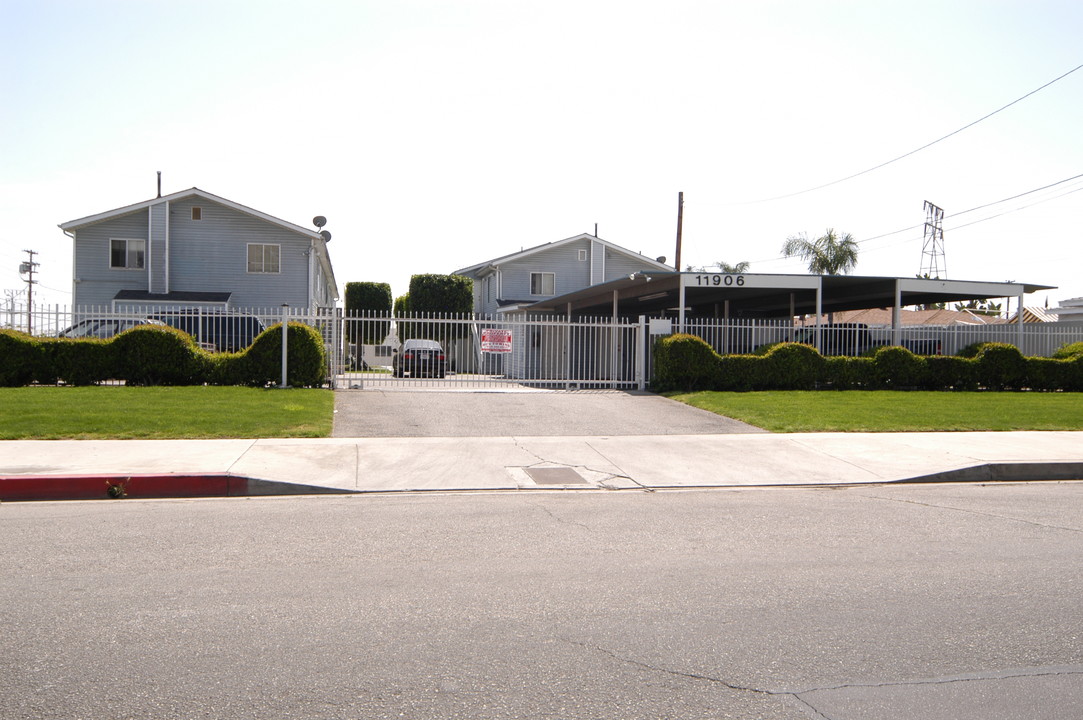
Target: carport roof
[(760, 295)]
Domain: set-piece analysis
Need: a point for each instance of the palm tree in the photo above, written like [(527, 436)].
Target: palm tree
[(830, 254), (740, 267), (724, 267)]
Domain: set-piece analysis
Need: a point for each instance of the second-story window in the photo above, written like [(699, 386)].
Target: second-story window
[(543, 283), (263, 258)]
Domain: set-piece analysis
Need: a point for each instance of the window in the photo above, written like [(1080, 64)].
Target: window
[(197, 213), (129, 254), (263, 258), (582, 255), (543, 283)]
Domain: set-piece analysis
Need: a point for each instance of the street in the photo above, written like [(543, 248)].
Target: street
[(858, 603)]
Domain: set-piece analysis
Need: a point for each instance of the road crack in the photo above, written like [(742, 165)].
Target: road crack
[(998, 516)]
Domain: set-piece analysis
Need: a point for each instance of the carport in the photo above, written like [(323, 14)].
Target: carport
[(727, 296)]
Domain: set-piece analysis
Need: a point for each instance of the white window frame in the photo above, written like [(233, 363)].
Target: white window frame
[(541, 284), (582, 255), (127, 254), (263, 259)]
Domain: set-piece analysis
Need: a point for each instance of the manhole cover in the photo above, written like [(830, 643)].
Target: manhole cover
[(555, 476)]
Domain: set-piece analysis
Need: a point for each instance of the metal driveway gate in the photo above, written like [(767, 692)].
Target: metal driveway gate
[(492, 352)]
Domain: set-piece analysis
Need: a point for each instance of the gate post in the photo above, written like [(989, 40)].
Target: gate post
[(641, 352), (285, 335)]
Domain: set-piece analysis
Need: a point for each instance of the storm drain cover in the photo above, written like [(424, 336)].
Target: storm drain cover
[(555, 476)]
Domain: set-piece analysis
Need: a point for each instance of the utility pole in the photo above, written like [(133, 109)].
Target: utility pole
[(680, 224), (27, 268)]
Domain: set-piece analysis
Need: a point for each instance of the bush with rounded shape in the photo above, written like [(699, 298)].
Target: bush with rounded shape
[(306, 358), (1001, 365), (684, 362), (972, 350), (793, 366), (20, 358), (897, 367), (158, 355), (1069, 350)]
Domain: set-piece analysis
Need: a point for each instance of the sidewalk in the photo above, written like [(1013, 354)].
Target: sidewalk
[(68, 469)]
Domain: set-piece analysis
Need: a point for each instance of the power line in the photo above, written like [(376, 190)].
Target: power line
[(964, 212), (912, 152)]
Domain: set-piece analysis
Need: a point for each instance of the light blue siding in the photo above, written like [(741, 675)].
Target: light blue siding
[(95, 282), (158, 248), (206, 255)]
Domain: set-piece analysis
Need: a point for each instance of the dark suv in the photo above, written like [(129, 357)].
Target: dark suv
[(419, 358), (223, 332)]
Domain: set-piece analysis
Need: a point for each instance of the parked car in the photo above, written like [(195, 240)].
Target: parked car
[(102, 327), (419, 358), (222, 332)]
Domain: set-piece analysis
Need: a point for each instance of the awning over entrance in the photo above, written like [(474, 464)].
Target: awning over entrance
[(752, 295)]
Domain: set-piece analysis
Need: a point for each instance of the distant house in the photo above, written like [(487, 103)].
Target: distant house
[(509, 283), (193, 249)]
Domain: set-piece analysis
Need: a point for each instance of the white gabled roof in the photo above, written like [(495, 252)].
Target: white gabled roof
[(321, 245), (549, 246), (191, 192)]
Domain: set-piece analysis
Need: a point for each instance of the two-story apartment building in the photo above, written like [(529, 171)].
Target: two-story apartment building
[(509, 283), (194, 249)]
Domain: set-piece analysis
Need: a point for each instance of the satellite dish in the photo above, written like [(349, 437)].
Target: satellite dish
[(319, 221), (662, 259), (326, 235)]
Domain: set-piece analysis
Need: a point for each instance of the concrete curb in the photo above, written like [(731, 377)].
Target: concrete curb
[(147, 486)]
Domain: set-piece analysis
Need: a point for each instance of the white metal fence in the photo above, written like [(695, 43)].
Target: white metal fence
[(370, 351), (480, 351)]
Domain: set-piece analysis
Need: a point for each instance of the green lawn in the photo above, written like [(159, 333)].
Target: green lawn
[(52, 413), (889, 411)]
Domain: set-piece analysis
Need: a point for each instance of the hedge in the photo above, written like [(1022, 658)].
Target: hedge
[(161, 355), (686, 362)]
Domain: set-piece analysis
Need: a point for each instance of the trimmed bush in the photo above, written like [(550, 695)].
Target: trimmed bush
[(77, 362), (739, 372), (849, 373), (685, 362), (793, 366), (972, 350), (20, 358), (896, 367), (1001, 366), (1069, 350), (947, 372), (158, 355), (261, 364)]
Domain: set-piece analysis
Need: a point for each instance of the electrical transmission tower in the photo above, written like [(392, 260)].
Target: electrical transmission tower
[(933, 262)]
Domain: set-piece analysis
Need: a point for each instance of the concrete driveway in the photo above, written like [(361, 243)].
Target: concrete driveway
[(398, 413)]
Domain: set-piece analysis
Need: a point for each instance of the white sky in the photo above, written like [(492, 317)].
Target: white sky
[(437, 134)]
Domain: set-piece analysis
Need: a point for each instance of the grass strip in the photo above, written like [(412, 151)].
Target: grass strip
[(894, 411), (103, 413)]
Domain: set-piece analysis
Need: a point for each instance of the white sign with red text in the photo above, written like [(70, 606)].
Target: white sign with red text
[(495, 340)]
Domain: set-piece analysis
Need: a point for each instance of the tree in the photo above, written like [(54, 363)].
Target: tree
[(368, 299), (829, 254), (724, 267), (979, 307)]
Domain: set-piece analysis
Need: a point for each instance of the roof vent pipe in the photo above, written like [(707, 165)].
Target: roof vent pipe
[(159, 183)]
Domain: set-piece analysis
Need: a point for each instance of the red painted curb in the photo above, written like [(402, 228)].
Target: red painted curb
[(105, 487)]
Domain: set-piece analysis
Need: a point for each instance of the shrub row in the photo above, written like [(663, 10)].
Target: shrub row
[(686, 362), (155, 355)]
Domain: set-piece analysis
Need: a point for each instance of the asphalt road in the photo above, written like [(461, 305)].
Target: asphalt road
[(881, 602), (435, 413)]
